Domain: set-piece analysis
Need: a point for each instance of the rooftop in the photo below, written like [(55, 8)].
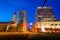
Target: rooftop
[(44, 7)]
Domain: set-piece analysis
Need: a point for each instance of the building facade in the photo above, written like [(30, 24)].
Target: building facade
[(46, 21), (45, 14), (22, 22)]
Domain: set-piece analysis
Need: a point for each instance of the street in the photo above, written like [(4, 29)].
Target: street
[(28, 35)]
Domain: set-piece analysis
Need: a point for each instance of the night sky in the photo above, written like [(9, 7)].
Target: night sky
[(8, 7)]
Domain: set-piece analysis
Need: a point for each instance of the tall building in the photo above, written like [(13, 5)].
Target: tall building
[(21, 20), (45, 14)]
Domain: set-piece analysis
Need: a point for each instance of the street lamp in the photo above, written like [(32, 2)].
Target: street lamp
[(31, 23)]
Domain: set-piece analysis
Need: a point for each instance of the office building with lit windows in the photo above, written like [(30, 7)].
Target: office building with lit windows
[(46, 21)]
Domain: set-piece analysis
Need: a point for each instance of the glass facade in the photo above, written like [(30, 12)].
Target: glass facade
[(20, 17), (20, 20)]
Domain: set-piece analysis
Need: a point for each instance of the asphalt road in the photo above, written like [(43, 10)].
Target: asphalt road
[(28, 36)]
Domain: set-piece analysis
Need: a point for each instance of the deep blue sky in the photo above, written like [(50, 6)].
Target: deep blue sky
[(7, 8)]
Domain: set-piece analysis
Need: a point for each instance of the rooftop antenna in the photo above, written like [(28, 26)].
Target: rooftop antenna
[(42, 8), (44, 3)]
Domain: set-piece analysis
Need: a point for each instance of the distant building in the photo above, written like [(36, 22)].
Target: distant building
[(12, 25), (9, 26), (17, 23)]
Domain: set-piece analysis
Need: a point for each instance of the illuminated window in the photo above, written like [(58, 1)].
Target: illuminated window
[(59, 24), (51, 24), (55, 24)]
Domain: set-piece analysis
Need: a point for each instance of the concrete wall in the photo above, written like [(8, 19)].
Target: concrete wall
[(47, 25)]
